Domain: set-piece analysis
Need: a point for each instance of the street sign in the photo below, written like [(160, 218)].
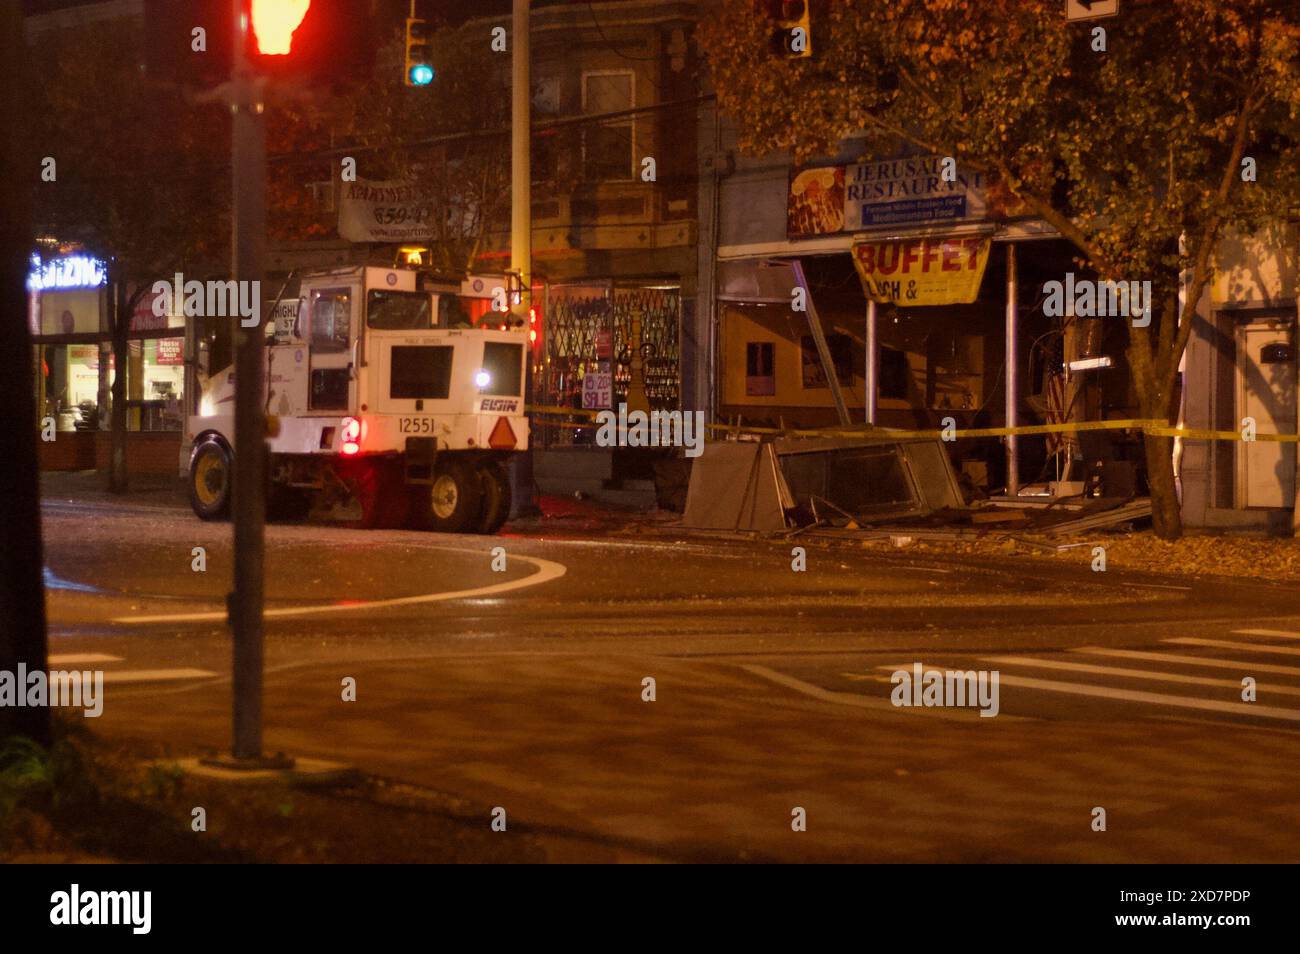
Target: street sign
[(1090, 9)]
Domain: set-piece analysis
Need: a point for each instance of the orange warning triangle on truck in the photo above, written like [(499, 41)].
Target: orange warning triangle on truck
[(502, 436)]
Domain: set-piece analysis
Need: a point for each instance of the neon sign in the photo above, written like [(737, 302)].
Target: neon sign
[(72, 271)]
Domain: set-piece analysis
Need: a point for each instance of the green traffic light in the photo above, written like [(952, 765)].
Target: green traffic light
[(421, 74)]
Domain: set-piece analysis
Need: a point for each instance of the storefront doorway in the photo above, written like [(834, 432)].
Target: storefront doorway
[(1266, 392)]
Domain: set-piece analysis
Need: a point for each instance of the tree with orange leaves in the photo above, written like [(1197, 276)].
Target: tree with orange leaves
[(1136, 145)]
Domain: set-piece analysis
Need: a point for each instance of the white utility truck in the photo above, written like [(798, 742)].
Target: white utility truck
[(381, 411)]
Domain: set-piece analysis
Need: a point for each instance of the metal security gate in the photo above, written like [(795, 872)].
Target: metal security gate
[(606, 344)]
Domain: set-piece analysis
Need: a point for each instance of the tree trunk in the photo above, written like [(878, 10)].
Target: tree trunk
[(117, 475), (1166, 512), (1156, 380)]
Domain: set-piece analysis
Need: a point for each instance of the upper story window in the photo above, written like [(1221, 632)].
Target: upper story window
[(608, 149)]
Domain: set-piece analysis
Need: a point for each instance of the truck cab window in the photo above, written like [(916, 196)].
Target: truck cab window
[(398, 310)]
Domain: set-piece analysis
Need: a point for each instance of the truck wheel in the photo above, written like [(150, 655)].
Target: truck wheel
[(495, 509), (211, 477), (451, 503)]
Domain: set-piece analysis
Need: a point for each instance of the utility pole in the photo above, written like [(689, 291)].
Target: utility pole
[(521, 177), (22, 594), (521, 215)]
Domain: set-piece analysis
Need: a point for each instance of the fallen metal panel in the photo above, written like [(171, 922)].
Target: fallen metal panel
[(734, 486), (935, 475), (1134, 510), (883, 479), (740, 485)]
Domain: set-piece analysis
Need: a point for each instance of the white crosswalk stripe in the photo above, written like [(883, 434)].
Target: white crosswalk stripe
[(1181, 660), (1137, 673), (1280, 633), (1154, 698), (115, 676), (1193, 673), (1240, 647)]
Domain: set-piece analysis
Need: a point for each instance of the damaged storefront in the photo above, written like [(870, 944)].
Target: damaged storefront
[(928, 288)]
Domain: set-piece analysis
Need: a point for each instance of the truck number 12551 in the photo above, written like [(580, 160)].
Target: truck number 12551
[(415, 425)]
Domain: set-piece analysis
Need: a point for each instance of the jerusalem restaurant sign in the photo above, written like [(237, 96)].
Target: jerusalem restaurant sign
[(914, 190)]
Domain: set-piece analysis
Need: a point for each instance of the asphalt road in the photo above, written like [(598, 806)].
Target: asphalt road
[(523, 687)]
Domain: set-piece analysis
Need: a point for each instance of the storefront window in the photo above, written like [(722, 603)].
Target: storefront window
[(841, 349), (70, 385), (75, 376), (164, 380)]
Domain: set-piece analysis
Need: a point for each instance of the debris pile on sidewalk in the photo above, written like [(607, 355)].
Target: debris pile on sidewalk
[(1242, 557), (872, 488), (1003, 518)]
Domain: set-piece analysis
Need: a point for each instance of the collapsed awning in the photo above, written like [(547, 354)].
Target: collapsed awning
[(742, 485)]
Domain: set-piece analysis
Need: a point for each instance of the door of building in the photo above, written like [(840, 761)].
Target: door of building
[(330, 319), (1266, 391)]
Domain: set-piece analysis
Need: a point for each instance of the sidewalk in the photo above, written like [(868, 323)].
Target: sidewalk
[(586, 770), (91, 485), (1206, 556)]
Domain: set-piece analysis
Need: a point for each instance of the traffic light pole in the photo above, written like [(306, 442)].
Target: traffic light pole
[(248, 247)]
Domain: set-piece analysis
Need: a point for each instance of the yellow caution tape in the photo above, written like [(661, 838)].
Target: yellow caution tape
[(1152, 426), (1191, 434), (565, 411)]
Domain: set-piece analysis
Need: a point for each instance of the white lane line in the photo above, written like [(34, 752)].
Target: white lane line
[(1280, 633), (547, 570), (140, 675), (73, 659), (155, 675), (817, 692), (861, 701), (1238, 664), (1150, 674), (1227, 644), (1153, 698)]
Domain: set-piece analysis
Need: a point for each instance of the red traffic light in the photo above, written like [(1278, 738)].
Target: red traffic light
[(273, 24), (192, 43)]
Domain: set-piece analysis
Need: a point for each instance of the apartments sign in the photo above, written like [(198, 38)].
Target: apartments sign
[(394, 211)]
